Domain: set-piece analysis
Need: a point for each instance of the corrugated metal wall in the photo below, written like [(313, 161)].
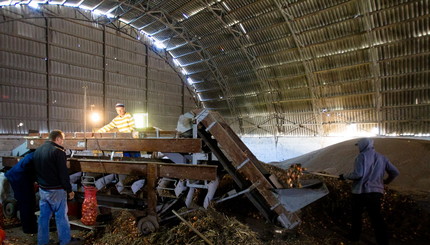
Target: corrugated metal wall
[(46, 63), (321, 67)]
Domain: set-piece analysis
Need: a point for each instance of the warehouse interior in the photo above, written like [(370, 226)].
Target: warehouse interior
[(298, 81)]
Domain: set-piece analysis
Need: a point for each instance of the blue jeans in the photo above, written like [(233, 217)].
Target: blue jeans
[(53, 202)]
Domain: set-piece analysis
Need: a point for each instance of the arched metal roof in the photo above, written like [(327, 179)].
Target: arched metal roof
[(292, 67)]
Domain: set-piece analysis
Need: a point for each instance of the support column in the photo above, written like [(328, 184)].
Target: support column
[(104, 75), (48, 74)]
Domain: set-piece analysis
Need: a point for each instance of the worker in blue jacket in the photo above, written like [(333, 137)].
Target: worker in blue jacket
[(368, 189), (22, 177)]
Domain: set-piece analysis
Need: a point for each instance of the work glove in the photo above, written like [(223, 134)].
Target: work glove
[(341, 177)]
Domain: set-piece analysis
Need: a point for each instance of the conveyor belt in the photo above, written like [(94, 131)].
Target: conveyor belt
[(243, 166)]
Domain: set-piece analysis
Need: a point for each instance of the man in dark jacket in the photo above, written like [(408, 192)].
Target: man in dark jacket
[(54, 187), (368, 188), (22, 177)]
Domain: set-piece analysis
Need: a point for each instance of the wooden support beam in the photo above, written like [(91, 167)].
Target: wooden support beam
[(141, 134), (116, 144), (150, 170), (152, 184), (169, 170)]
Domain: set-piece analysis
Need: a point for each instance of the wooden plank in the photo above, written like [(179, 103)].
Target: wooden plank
[(182, 145), (87, 135), (9, 161), (178, 171), (152, 193), (187, 171), (140, 133), (245, 162)]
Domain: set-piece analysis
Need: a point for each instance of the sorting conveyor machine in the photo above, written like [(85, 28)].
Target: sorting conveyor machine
[(253, 180), (213, 136), (150, 170)]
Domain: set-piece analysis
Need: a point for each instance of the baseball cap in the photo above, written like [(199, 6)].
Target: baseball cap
[(119, 105)]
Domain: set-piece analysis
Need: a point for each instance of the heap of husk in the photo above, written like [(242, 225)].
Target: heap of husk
[(216, 227), (122, 231), (213, 225), (325, 221)]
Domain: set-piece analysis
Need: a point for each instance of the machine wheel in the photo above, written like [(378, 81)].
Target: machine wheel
[(9, 208), (148, 224)]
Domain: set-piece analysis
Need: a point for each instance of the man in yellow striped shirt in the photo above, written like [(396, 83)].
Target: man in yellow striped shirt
[(124, 122)]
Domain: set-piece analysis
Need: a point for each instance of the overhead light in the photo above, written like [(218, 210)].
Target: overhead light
[(34, 4), (140, 120), (98, 12), (95, 117), (73, 4), (184, 72), (159, 44), (82, 6), (57, 2), (176, 62), (225, 6), (351, 129), (242, 28), (190, 81), (375, 131), (196, 11)]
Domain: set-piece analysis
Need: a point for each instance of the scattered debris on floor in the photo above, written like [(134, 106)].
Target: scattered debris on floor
[(237, 221)]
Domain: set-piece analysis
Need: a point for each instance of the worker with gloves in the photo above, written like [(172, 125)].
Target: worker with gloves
[(368, 188)]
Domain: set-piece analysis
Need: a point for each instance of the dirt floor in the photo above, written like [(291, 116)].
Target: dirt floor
[(406, 208)]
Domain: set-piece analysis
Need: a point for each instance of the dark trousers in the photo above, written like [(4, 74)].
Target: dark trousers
[(26, 201), (131, 153), (372, 203)]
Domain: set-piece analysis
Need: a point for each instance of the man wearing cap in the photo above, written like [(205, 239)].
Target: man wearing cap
[(124, 122), (368, 188)]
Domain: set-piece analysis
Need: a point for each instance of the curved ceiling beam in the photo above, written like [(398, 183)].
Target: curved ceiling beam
[(252, 61), (375, 70), (310, 77), (178, 31), (184, 34), (45, 11)]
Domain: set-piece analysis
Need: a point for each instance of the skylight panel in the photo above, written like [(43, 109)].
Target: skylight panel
[(57, 2), (224, 4), (73, 3)]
